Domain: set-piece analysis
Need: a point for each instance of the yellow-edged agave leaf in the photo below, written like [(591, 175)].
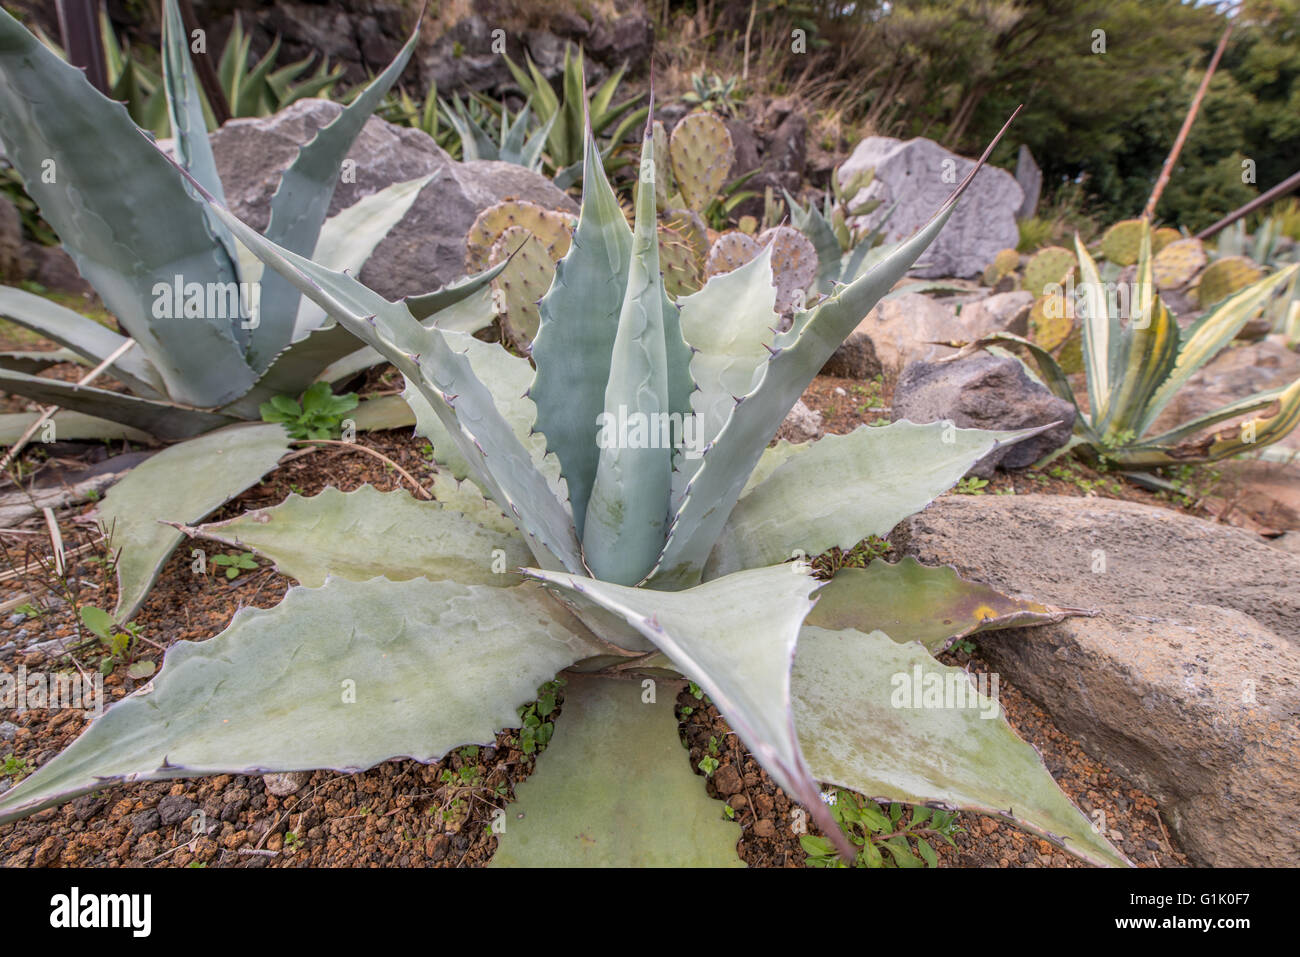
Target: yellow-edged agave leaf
[(909, 601), (1149, 352), (360, 534), (180, 484), (614, 788), (1250, 435), (1102, 335), (888, 721), (906, 464), (1258, 402), (1203, 341), (735, 637), (417, 667)]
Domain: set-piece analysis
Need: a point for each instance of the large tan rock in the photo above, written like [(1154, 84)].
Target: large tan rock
[(1188, 678), (894, 333)]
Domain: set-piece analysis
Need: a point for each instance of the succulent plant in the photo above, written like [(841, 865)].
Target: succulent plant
[(1178, 263), (1005, 263), (258, 89), (526, 240), (1047, 267), (1121, 243), (511, 143), (730, 251), (1136, 363), (565, 118), (1162, 237), (843, 253), (712, 92), (1225, 276), (201, 349), (648, 563), (793, 261), (701, 153), (1051, 320)]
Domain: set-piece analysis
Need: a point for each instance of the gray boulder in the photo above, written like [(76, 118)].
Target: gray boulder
[(427, 248), (919, 175), (985, 391), (1030, 178), (1188, 677)]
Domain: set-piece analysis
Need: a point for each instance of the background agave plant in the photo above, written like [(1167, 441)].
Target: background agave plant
[(565, 118), (1135, 366), (142, 237), (512, 143), (648, 564)]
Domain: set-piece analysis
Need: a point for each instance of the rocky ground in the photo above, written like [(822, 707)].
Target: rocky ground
[(405, 813)]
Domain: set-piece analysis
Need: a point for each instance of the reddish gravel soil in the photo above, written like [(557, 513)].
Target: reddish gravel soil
[(403, 813)]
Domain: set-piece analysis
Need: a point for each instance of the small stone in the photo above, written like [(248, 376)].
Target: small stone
[(727, 780), (284, 783), (802, 424), (764, 828), (86, 806), (175, 809), (142, 822), (7, 730)]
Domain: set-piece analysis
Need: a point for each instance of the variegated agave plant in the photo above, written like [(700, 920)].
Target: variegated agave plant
[(194, 358), (647, 565), (1136, 364)]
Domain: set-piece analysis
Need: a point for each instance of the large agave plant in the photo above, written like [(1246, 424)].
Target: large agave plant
[(195, 358), (412, 632), (1136, 364)]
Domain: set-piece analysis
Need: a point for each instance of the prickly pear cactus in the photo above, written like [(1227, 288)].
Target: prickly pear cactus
[(1175, 265), (730, 251), (553, 228), (1162, 237), (524, 281), (1004, 263), (1122, 242), (1070, 356), (678, 263), (1047, 266), (1051, 319), (1225, 276), (692, 228), (794, 265), (702, 154), (747, 225), (664, 185)]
